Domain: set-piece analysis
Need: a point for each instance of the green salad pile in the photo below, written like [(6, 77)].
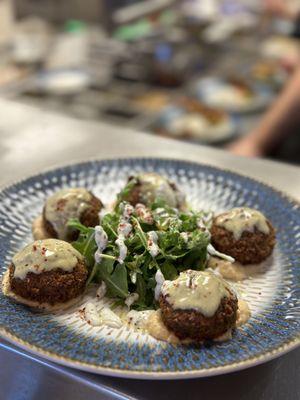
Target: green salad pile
[(136, 243)]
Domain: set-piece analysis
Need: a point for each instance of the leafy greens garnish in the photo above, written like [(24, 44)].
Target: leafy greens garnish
[(181, 245)]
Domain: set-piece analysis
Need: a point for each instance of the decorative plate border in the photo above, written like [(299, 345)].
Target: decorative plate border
[(90, 367)]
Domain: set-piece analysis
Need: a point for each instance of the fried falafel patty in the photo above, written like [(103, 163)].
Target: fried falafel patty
[(47, 272), (149, 187), (198, 306), (244, 234), (67, 204)]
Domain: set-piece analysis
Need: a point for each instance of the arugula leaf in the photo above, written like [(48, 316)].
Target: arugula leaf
[(169, 271), (115, 280), (140, 233), (110, 224), (136, 262), (106, 265), (85, 243), (172, 245), (141, 289), (151, 283), (198, 239), (195, 259), (76, 224)]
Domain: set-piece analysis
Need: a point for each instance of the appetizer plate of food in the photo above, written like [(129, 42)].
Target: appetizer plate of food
[(280, 48), (268, 72), (190, 119), (149, 268), (234, 95)]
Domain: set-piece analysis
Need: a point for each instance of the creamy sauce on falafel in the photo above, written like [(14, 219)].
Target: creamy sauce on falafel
[(45, 255), (239, 220), (196, 290), (64, 205)]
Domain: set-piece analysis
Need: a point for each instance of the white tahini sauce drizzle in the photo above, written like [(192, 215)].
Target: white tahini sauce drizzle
[(201, 224), (213, 252), (159, 278), (101, 291), (138, 319), (105, 317), (64, 205), (101, 240), (110, 318), (185, 236), (152, 243), (124, 230), (127, 211), (91, 315), (122, 249), (144, 213), (133, 276), (131, 299), (239, 220), (197, 290), (45, 255)]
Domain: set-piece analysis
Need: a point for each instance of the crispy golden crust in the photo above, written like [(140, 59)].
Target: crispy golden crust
[(51, 287), (251, 248), (191, 324), (6, 289), (89, 217)]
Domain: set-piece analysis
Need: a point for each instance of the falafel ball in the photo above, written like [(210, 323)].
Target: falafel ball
[(244, 234), (148, 187), (198, 306), (46, 273), (67, 204)]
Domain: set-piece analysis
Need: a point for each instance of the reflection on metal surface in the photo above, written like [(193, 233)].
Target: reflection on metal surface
[(27, 378), (274, 380)]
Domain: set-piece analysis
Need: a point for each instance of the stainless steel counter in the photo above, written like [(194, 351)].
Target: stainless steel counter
[(32, 140)]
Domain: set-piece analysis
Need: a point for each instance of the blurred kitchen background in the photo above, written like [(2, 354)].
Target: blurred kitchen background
[(203, 71)]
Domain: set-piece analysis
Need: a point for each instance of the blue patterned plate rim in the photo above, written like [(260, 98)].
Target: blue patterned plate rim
[(269, 354)]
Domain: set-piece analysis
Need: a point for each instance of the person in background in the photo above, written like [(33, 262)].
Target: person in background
[(282, 120), (288, 10), (284, 9)]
